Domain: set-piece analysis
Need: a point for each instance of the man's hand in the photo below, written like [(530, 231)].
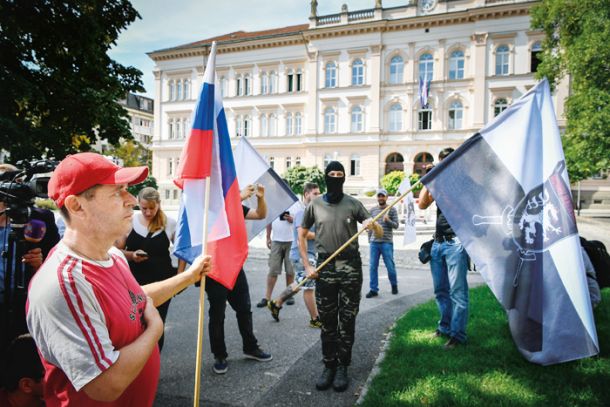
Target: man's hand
[(310, 272), (374, 226), (152, 319), (139, 256), (260, 190), (200, 267), (288, 218), (247, 192), (269, 243), (33, 258), (386, 217)]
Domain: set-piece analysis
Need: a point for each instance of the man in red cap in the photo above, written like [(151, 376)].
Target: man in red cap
[(95, 327)]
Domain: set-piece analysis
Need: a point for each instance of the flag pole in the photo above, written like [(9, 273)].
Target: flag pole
[(346, 244), (202, 297)]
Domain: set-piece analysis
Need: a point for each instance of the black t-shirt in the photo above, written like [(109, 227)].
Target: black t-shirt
[(442, 226), (245, 209)]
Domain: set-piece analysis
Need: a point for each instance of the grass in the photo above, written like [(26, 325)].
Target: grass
[(488, 371)]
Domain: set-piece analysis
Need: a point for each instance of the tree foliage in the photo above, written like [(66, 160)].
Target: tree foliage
[(148, 182), (391, 181), (299, 175), (59, 86), (132, 154), (578, 44)]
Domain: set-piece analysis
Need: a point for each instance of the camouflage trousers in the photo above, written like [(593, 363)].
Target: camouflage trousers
[(338, 292)]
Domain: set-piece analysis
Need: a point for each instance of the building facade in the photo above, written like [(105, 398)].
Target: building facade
[(380, 89)]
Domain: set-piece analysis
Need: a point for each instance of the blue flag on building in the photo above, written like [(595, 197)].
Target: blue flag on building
[(505, 193)]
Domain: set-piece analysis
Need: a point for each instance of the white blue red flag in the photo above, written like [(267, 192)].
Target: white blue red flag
[(207, 157), (506, 194)]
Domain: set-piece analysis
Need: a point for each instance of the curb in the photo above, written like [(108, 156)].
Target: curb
[(385, 343)]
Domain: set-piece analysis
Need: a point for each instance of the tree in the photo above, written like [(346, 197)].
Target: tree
[(298, 176), (59, 87), (132, 153), (577, 44), (391, 181), (148, 182)]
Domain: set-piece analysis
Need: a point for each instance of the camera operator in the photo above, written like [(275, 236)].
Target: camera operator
[(41, 239)]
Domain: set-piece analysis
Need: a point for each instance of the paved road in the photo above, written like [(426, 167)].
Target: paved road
[(289, 378)]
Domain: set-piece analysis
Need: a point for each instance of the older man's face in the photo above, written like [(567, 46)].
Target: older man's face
[(110, 211)]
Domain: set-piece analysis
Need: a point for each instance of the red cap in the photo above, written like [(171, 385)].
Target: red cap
[(79, 172)]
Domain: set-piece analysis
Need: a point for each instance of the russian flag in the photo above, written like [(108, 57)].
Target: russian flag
[(207, 157)]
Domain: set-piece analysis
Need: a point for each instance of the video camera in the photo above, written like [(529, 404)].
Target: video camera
[(19, 188)]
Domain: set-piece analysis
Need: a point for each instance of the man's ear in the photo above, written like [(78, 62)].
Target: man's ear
[(72, 203), (27, 385)]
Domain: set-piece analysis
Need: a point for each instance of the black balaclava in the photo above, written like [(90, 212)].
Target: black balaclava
[(334, 185)]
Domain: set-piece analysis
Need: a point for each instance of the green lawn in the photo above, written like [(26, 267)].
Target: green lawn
[(488, 371)]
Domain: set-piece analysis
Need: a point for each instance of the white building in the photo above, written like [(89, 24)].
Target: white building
[(346, 86)]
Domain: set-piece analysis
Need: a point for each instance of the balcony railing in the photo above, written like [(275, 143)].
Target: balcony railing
[(329, 19), (361, 15)]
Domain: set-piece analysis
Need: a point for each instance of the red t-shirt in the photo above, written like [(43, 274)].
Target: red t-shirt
[(80, 314)]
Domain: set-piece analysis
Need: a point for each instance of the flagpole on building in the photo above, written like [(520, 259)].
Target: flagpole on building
[(202, 297)]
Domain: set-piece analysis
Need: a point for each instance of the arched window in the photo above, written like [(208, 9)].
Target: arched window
[(298, 124), (456, 65), (396, 69), (272, 125), (330, 122), (535, 57), (358, 72), (426, 66), (456, 112), (421, 161), (502, 60), (264, 83), (272, 82), (264, 127), (396, 117), (499, 106), (289, 124), (331, 75), (357, 125), (354, 165), (394, 162)]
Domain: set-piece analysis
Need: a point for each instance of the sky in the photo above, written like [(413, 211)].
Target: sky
[(167, 24)]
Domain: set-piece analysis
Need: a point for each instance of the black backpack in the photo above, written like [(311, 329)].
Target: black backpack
[(600, 259)]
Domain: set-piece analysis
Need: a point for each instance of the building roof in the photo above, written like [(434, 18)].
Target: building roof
[(243, 35), (138, 102)]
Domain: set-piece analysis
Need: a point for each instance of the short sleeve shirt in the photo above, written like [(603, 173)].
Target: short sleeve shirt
[(335, 223), (311, 246), (81, 313)]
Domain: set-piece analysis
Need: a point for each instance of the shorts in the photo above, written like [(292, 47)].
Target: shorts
[(280, 254), (300, 274)]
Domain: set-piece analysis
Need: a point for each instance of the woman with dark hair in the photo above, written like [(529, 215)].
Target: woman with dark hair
[(147, 246)]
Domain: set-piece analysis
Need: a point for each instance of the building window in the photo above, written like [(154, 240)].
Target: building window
[(264, 84), (396, 117), (500, 106), (264, 127), (247, 85), (297, 161), (396, 69), (247, 126), (170, 129), (330, 125), (288, 162), (426, 67), (354, 167), (178, 124), (425, 119), (331, 75), (357, 126), (535, 57), (299, 83), (456, 112), (327, 160), (186, 127), (171, 90), (272, 82), (239, 126), (358, 72), (179, 90), (187, 89), (272, 125), (289, 124), (170, 166), (239, 90), (291, 80), (223, 86), (298, 121), (456, 65), (502, 60), (271, 162), (167, 194)]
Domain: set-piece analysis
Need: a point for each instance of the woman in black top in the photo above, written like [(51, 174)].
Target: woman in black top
[(146, 247)]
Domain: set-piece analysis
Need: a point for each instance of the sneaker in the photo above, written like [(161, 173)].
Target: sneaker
[(326, 378), (394, 289), (290, 301), (341, 379), (315, 323), (220, 366), (275, 310), (451, 343), (259, 355), (371, 294), (262, 303), (439, 334)]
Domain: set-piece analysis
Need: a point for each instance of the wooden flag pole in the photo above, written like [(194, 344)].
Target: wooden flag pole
[(346, 244), (201, 297)]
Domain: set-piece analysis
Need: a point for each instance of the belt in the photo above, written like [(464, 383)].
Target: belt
[(344, 255), (443, 238)]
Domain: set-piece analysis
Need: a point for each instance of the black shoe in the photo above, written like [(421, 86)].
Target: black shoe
[(451, 343), (290, 301), (262, 303), (259, 355), (220, 366), (439, 334), (275, 310), (371, 294), (394, 289), (326, 378), (341, 380)]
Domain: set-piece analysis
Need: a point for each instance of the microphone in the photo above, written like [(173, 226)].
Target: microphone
[(34, 231)]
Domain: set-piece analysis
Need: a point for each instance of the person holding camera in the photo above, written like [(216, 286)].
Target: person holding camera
[(22, 375), (95, 327), (147, 246), (449, 267)]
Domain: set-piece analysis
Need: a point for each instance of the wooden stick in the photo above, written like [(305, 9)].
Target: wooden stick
[(346, 244), (202, 297)]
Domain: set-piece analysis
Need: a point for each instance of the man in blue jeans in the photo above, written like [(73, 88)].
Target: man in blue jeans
[(383, 246), (449, 266)]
